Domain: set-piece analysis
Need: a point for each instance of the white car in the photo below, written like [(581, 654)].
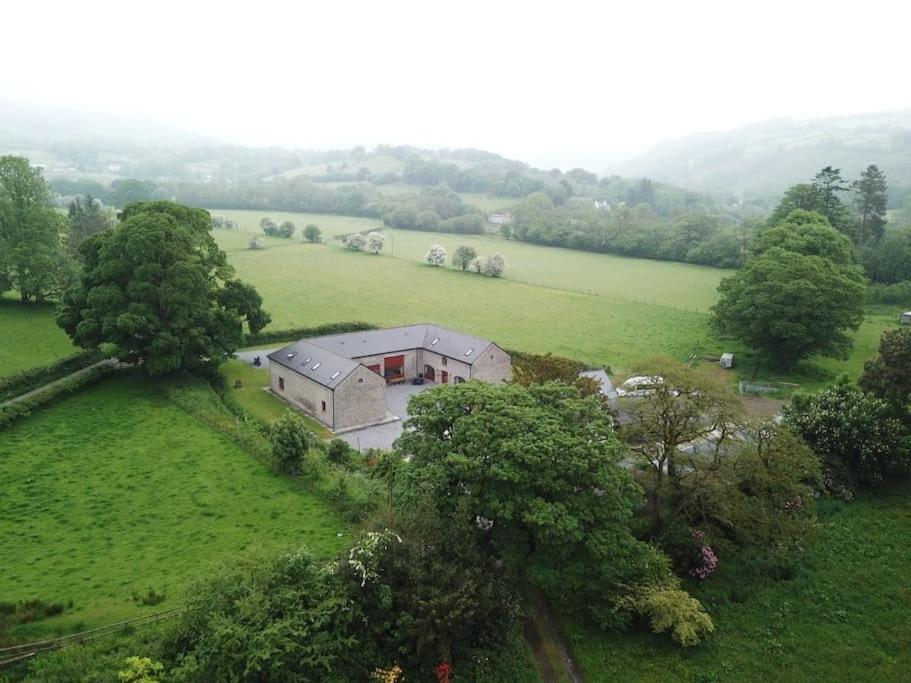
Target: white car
[(639, 386)]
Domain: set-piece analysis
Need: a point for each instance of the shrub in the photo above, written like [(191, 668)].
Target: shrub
[(850, 429), (339, 452), (436, 256), (375, 242), (356, 241), (286, 230), (477, 265), (256, 243), (669, 607), (268, 226), (464, 256), (152, 597), (494, 266), (291, 441), (141, 670), (312, 233)]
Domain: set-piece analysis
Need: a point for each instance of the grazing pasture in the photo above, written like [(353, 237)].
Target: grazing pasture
[(663, 282), (846, 616), (116, 490), (29, 337)]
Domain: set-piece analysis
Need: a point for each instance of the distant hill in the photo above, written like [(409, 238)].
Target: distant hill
[(766, 158)]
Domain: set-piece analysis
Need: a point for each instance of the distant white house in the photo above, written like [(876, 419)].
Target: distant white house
[(906, 318), (115, 168), (602, 205), (499, 218)]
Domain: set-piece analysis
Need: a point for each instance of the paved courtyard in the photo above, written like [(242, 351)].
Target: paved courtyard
[(382, 436)]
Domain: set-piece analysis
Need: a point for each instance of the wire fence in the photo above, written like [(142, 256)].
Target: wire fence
[(17, 653)]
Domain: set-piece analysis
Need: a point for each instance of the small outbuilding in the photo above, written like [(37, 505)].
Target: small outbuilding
[(727, 361), (906, 318), (341, 379)]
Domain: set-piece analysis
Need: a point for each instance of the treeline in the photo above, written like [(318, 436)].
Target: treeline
[(640, 231)]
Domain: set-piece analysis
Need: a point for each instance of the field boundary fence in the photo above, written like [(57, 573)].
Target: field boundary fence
[(13, 654)]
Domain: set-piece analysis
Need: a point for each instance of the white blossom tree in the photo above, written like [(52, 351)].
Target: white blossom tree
[(375, 242), (356, 241), (494, 266), (477, 265), (436, 256)]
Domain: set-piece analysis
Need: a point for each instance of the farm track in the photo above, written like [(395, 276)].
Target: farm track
[(113, 362)]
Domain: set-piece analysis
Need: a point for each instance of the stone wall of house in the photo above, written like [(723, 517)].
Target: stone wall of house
[(493, 365), (411, 362), (360, 399), (303, 392), (439, 363)]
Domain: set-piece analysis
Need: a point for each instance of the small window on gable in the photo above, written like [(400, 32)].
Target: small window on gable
[(281, 383), (445, 360), (324, 406)]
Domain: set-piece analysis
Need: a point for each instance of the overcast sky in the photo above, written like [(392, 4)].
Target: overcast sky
[(562, 83)]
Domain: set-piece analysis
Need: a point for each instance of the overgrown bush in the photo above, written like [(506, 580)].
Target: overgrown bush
[(667, 607), (851, 429)]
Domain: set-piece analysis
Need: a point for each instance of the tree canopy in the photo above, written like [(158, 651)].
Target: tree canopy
[(158, 288), (801, 295), (31, 258), (536, 472)]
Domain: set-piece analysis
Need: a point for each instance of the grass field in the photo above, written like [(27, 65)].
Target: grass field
[(314, 284), (846, 617), (29, 337), (262, 404), (664, 282), (116, 489)]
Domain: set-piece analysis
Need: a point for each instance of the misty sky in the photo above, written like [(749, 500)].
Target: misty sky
[(565, 83)]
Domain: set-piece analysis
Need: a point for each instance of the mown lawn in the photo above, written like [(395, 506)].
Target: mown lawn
[(29, 337), (845, 617), (115, 490), (306, 285), (252, 396)]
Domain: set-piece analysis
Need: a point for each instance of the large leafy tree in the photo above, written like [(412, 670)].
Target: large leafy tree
[(802, 295), (535, 471), (158, 288), (886, 376), (428, 592), (30, 229), (829, 185), (688, 408), (87, 217), (807, 233), (802, 196), (870, 197)]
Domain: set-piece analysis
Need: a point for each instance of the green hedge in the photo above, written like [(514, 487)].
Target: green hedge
[(13, 411), (271, 336), (23, 382)]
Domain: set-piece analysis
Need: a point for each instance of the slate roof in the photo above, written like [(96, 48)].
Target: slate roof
[(334, 352), (309, 360)]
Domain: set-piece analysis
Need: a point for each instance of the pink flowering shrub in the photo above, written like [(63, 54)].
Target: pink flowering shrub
[(709, 561)]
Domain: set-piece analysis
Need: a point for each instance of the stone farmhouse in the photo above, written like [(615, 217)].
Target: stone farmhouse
[(341, 379)]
